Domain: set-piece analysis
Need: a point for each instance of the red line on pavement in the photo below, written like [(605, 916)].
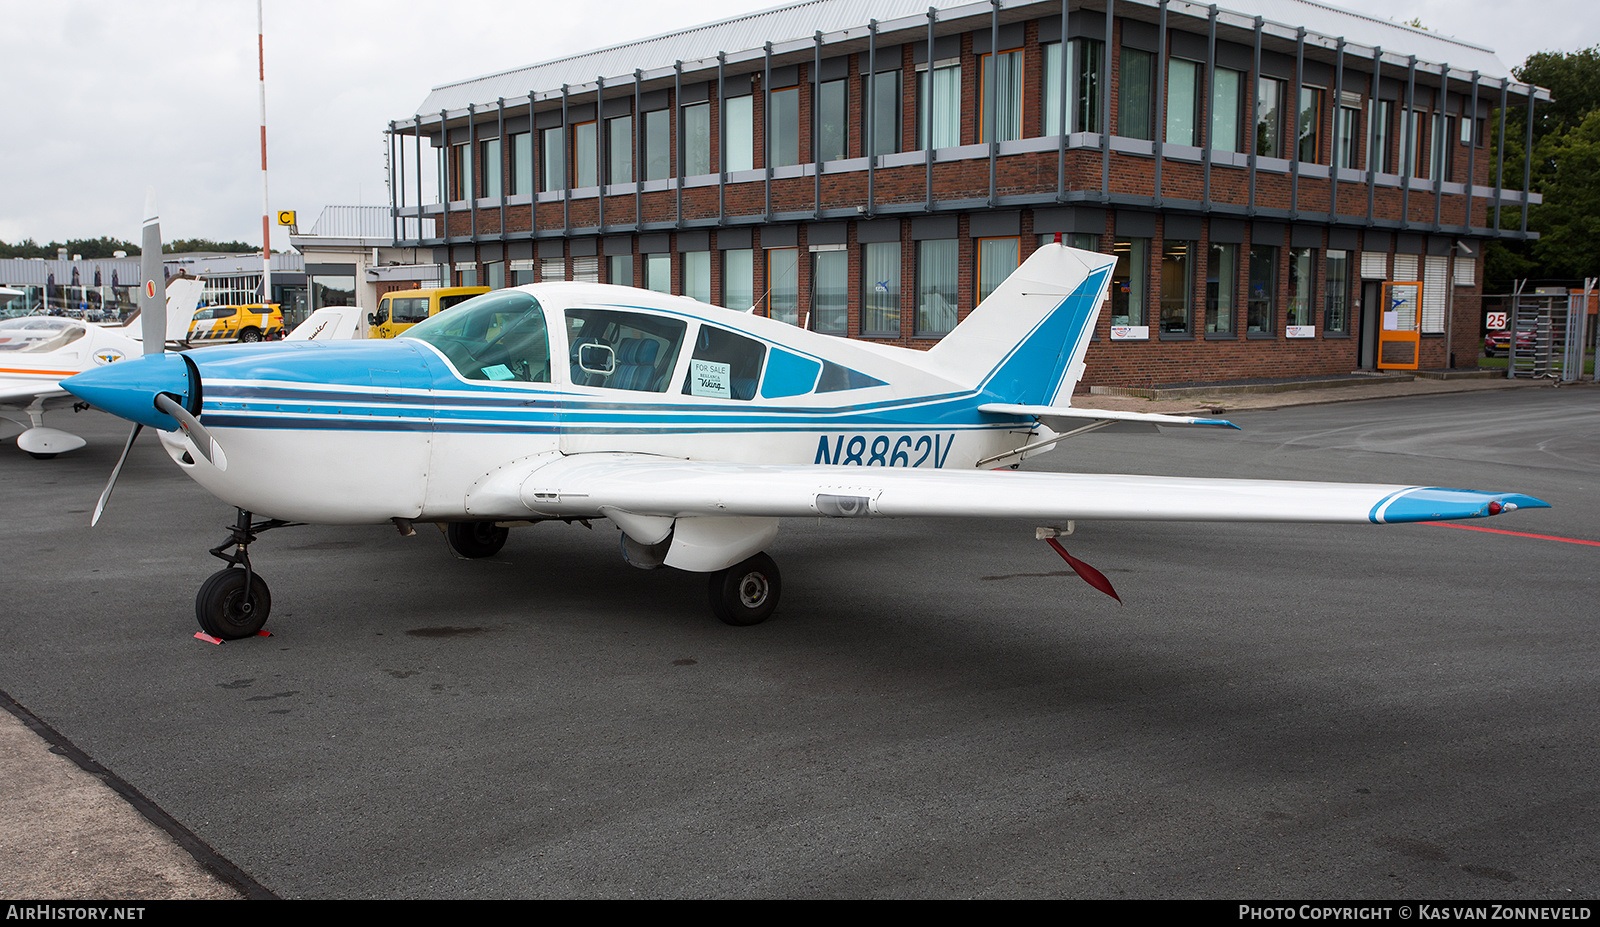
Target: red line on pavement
[(1517, 534)]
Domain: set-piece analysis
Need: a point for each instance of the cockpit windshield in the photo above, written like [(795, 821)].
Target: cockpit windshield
[(37, 334), (496, 336)]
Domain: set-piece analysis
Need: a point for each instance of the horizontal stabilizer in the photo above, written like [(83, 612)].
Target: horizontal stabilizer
[(1066, 418)]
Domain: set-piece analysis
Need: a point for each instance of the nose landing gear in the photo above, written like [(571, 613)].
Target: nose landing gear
[(234, 602)]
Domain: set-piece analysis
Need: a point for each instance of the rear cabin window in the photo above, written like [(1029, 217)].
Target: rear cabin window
[(724, 365), (498, 336), (617, 349)]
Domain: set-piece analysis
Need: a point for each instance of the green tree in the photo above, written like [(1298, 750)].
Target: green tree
[(1560, 134), (201, 245)]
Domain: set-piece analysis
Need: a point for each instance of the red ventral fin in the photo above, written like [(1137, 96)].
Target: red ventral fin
[(1088, 573)]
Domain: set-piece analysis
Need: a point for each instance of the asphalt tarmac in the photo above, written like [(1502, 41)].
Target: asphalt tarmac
[(939, 709)]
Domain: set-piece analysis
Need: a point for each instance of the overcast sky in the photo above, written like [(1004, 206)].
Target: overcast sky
[(102, 98)]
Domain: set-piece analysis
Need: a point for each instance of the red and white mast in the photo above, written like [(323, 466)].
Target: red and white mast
[(266, 210)]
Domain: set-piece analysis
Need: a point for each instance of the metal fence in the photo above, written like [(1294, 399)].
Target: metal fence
[(1548, 333)]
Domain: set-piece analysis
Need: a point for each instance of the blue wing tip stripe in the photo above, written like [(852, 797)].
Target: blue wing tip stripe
[(1433, 503)]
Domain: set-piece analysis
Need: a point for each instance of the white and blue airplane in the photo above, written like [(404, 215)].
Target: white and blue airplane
[(693, 428), (38, 351)]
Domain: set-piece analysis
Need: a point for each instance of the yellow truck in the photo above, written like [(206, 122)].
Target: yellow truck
[(402, 309), (251, 323)]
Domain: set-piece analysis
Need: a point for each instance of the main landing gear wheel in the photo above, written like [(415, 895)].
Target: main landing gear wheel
[(746, 593), (225, 611), (476, 539)]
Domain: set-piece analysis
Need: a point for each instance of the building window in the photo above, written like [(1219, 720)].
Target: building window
[(738, 133), (1227, 108), (657, 144), (695, 128), (880, 121), (830, 290), (1177, 288), (555, 171), (1347, 147), (833, 121), (1416, 132), (997, 258), (658, 272), (1302, 284), (524, 272), (460, 172), (1000, 96), (1442, 126), (738, 279), (783, 285), (1336, 305), (695, 275), (550, 268), (1222, 287), (490, 148), (1309, 132), (880, 289), (521, 163), (585, 155), (783, 127), (1136, 94), (1130, 282), (937, 263), (939, 108), (1183, 102), (619, 269), (619, 150), (1262, 303), (1380, 130), (1082, 68), (494, 274), (1083, 241), (1270, 94), (1088, 67), (585, 268)]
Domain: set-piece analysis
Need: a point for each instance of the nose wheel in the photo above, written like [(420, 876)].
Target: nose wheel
[(234, 602)]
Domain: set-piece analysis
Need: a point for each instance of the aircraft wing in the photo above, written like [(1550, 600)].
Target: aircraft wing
[(22, 394), (637, 484)]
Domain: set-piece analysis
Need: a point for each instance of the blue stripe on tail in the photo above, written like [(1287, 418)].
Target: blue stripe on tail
[(1030, 374)]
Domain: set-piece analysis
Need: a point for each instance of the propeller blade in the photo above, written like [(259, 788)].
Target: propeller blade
[(203, 442), (153, 286), (105, 496), (1088, 573)]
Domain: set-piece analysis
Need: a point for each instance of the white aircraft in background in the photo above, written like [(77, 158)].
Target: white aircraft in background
[(693, 428), (38, 351)]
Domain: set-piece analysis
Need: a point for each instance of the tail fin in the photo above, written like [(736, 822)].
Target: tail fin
[(1025, 343)]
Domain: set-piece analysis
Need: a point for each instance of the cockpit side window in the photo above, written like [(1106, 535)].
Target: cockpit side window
[(724, 365), (497, 336), (618, 349)]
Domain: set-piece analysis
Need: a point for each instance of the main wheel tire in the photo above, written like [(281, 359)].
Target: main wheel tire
[(476, 539), (746, 593), (225, 611), (41, 456), (250, 335)]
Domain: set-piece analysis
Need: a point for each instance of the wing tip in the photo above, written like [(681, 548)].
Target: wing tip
[(1433, 503)]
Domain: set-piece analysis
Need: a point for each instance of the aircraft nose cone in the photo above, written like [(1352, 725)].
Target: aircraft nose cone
[(128, 388)]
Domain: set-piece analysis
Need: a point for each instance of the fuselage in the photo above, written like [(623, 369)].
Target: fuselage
[(367, 431)]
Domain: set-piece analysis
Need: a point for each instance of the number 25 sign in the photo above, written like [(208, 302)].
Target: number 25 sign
[(1496, 321)]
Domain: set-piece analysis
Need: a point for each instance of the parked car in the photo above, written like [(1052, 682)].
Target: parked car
[(237, 323), (1497, 343)]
